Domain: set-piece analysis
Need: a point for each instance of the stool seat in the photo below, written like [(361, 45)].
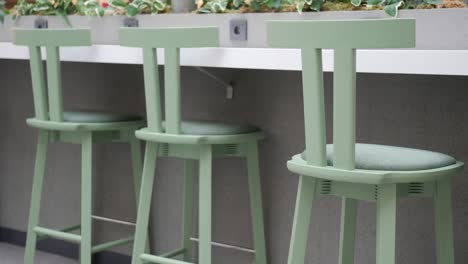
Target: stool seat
[(392, 158), (193, 127), (90, 116)]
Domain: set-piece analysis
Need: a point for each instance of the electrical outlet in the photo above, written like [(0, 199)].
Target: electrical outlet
[(41, 23), (238, 30), (130, 22)]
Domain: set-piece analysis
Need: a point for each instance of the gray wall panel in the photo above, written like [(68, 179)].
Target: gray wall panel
[(417, 111)]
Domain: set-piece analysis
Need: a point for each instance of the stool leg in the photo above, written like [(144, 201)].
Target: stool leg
[(444, 222), (137, 163), (302, 214), (144, 204), (86, 199), (386, 223), (348, 230), (189, 168), (205, 196), (38, 180), (256, 207)]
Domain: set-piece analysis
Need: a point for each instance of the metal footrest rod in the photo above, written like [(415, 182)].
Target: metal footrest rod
[(161, 260), (112, 244), (66, 229), (112, 220), (174, 253), (239, 248), (58, 234)]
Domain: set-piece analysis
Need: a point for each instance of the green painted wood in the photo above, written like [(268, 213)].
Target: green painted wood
[(444, 222), (111, 244), (195, 37), (314, 107), (86, 199), (386, 224), (187, 228), (172, 89), (347, 34), (202, 141), (38, 180), (348, 230), (300, 166), (137, 163), (53, 127), (301, 223), (52, 37), (38, 83), (162, 260), (205, 204), (69, 126), (152, 89), (344, 108), (256, 207), (343, 179), (146, 134), (57, 234), (55, 84), (144, 203)]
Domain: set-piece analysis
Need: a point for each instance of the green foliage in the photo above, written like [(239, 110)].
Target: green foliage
[(390, 7), (85, 7), (2, 12), (146, 6)]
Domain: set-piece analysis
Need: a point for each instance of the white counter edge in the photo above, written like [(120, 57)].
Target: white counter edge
[(433, 62)]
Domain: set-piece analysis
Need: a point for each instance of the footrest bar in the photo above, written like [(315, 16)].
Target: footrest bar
[(66, 229), (58, 234), (112, 220), (161, 260), (111, 244), (174, 253), (233, 247)]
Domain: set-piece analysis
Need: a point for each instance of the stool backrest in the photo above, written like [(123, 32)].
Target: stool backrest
[(344, 37), (48, 101), (171, 39)]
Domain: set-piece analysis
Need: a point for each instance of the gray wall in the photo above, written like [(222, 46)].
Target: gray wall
[(418, 111)]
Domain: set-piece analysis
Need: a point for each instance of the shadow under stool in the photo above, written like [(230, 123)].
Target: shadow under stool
[(369, 172), (192, 141), (77, 127)]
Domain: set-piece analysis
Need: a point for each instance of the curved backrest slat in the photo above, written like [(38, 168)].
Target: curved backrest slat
[(171, 39), (194, 37), (344, 37), (52, 37), (48, 99), (357, 34)]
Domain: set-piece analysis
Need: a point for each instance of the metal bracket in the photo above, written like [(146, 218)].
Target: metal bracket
[(229, 86), (41, 23), (131, 22), (217, 244)]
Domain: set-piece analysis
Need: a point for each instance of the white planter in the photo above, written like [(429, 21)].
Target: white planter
[(183, 6), (444, 29)]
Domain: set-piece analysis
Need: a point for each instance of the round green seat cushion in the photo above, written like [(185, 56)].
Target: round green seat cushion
[(87, 116), (214, 128), (391, 158)]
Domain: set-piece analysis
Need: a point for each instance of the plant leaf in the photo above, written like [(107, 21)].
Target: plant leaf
[(356, 2), (316, 5), (132, 10), (392, 9)]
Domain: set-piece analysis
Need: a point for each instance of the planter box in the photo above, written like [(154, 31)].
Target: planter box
[(444, 29)]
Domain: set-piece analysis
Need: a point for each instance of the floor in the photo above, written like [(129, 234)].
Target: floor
[(10, 254)]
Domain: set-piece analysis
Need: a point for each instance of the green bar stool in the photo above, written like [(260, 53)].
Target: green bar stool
[(353, 171), (78, 127), (188, 140)]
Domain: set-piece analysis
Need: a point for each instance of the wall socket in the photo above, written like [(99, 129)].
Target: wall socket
[(238, 30), (130, 22), (41, 23)]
